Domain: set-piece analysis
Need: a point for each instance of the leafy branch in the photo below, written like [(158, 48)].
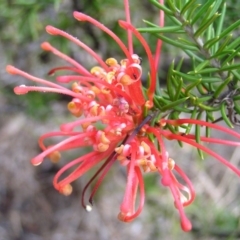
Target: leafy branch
[(211, 86)]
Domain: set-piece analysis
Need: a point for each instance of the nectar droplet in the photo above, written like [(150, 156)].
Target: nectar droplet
[(88, 208)]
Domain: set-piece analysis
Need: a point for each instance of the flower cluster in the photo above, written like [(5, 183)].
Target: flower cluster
[(115, 118)]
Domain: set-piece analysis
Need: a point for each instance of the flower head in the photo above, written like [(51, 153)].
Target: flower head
[(111, 95)]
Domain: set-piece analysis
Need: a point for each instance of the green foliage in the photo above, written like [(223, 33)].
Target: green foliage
[(209, 41), (23, 17)]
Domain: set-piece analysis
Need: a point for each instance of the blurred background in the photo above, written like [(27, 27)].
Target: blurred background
[(30, 208)]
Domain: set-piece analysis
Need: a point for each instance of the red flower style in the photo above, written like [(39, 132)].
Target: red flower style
[(111, 95)]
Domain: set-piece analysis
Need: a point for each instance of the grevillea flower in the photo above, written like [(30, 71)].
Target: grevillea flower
[(115, 119)]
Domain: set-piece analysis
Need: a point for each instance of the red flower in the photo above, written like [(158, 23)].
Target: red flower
[(111, 95)]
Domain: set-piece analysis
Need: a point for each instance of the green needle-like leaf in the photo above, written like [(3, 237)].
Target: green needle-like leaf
[(162, 7), (225, 115), (231, 56), (180, 63), (206, 24), (174, 104), (210, 116), (224, 44), (210, 32), (207, 108), (211, 42), (229, 29), (176, 43), (234, 44), (203, 9), (184, 109), (170, 87), (157, 103), (236, 98), (221, 87), (204, 99), (221, 20), (230, 67), (236, 74), (187, 6), (187, 42), (187, 76), (222, 54), (195, 78), (172, 29), (215, 7), (193, 115), (201, 66), (191, 86), (223, 34), (172, 6), (193, 55), (178, 90), (201, 89), (208, 119), (237, 107), (206, 70), (192, 11), (158, 87)]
